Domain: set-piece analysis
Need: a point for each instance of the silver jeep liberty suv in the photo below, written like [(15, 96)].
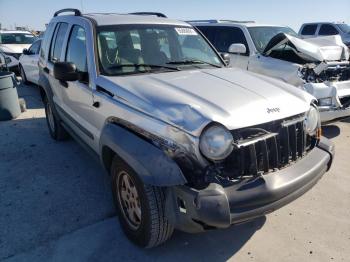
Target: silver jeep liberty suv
[(188, 143)]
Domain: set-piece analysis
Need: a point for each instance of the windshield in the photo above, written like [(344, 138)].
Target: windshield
[(261, 36), (16, 38), (344, 28), (134, 49)]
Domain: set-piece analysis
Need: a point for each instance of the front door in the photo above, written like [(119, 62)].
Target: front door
[(77, 95)]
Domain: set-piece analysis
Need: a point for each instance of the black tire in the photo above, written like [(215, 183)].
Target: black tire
[(23, 74), (154, 228), (56, 129)]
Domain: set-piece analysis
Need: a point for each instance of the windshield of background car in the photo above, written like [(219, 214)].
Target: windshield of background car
[(344, 28), (261, 36), (16, 38), (133, 49)]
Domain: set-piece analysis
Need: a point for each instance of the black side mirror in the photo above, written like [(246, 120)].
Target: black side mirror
[(26, 52), (225, 57), (65, 71)]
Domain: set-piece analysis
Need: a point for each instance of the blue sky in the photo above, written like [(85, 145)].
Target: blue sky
[(35, 13)]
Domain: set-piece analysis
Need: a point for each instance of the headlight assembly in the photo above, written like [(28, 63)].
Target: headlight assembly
[(312, 120), (216, 142), (325, 101)]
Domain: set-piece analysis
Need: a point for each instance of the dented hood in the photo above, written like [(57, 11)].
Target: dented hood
[(192, 99), (319, 49)]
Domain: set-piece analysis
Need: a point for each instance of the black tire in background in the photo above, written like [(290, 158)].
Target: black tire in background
[(56, 129), (154, 228)]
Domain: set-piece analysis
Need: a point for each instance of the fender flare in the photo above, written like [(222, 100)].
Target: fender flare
[(152, 165), (45, 88)]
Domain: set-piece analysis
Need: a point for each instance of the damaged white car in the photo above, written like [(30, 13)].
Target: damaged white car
[(318, 65)]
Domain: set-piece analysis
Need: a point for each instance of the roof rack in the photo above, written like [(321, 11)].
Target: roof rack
[(217, 21), (76, 11), (149, 13)]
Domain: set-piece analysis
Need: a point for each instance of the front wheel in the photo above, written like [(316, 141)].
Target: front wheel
[(141, 208), (56, 129)]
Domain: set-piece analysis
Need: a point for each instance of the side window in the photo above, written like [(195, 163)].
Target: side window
[(76, 48), (209, 33), (46, 41), (309, 29), (328, 30), (57, 42), (225, 36), (37, 51), (35, 47)]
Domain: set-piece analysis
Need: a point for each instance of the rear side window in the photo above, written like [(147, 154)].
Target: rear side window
[(57, 42), (309, 29), (328, 30), (76, 48)]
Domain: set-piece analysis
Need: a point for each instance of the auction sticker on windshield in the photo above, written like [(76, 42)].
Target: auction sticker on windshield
[(185, 31)]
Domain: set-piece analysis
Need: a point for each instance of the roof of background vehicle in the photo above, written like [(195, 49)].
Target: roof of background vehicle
[(123, 19), (335, 23), (230, 23), (15, 31)]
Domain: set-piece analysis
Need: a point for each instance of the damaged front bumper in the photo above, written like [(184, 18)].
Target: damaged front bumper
[(331, 114), (193, 210), (338, 94)]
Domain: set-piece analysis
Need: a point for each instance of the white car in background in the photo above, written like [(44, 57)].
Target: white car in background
[(12, 44), (318, 65), (309, 30), (28, 63)]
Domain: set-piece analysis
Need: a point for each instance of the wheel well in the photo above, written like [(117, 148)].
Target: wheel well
[(107, 157), (42, 93)]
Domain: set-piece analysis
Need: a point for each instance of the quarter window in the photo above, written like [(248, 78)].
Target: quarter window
[(328, 30), (76, 49), (309, 29), (57, 44)]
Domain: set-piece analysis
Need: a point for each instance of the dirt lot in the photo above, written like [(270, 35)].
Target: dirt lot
[(56, 205)]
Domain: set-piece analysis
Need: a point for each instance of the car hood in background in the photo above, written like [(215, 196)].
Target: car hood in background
[(318, 49), (13, 48), (190, 99)]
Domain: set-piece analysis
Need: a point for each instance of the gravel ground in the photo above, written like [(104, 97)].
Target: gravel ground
[(56, 205)]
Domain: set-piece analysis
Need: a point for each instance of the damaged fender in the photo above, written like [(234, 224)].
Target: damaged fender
[(152, 165)]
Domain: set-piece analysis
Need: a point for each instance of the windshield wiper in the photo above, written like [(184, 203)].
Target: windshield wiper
[(191, 62), (145, 65)]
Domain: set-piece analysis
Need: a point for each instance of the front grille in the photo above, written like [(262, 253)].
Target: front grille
[(268, 147)]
